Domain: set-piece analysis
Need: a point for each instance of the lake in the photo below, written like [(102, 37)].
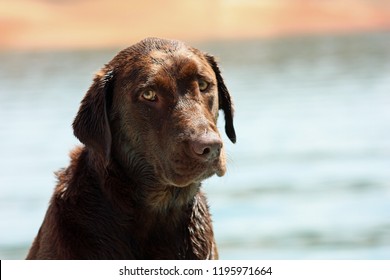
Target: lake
[(309, 177)]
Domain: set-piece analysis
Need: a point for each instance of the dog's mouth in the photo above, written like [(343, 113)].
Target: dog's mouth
[(187, 171)]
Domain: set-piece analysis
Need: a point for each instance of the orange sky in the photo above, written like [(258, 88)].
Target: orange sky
[(57, 24)]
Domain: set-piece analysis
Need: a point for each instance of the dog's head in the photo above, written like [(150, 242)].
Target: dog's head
[(154, 109)]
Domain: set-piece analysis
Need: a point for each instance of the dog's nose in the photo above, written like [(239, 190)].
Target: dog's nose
[(206, 147)]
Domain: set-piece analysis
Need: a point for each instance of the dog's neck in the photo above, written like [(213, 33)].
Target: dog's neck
[(139, 186), (164, 198)]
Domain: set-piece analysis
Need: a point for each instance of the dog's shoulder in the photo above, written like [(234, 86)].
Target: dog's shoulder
[(72, 180)]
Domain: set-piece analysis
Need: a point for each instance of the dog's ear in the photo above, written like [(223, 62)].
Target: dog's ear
[(225, 101), (91, 125)]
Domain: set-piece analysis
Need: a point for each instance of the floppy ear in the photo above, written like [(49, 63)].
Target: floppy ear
[(91, 125), (225, 102)]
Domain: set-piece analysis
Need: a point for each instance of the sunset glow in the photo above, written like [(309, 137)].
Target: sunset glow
[(47, 24)]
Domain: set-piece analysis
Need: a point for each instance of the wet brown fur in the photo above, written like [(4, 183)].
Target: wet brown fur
[(133, 191)]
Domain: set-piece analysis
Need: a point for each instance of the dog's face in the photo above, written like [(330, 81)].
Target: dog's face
[(154, 108)]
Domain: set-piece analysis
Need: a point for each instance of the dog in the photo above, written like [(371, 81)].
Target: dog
[(148, 125)]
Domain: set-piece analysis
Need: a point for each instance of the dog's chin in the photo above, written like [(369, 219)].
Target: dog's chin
[(178, 177)]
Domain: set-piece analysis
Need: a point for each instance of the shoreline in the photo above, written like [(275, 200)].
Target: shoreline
[(204, 41)]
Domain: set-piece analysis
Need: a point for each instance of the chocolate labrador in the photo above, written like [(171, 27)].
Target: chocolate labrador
[(133, 190)]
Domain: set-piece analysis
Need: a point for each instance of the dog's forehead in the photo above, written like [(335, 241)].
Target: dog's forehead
[(154, 62), (182, 62)]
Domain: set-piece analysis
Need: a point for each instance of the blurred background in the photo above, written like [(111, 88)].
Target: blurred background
[(309, 177)]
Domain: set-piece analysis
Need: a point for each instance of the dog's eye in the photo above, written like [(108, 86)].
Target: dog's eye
[(149, 95), (203, 85)]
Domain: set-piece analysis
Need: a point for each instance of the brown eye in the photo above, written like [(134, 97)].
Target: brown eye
[(149, 95), (203, 85)]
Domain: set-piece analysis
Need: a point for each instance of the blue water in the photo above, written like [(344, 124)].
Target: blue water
[(309, 177)]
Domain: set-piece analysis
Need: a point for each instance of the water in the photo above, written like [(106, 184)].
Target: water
[(309, 177)]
